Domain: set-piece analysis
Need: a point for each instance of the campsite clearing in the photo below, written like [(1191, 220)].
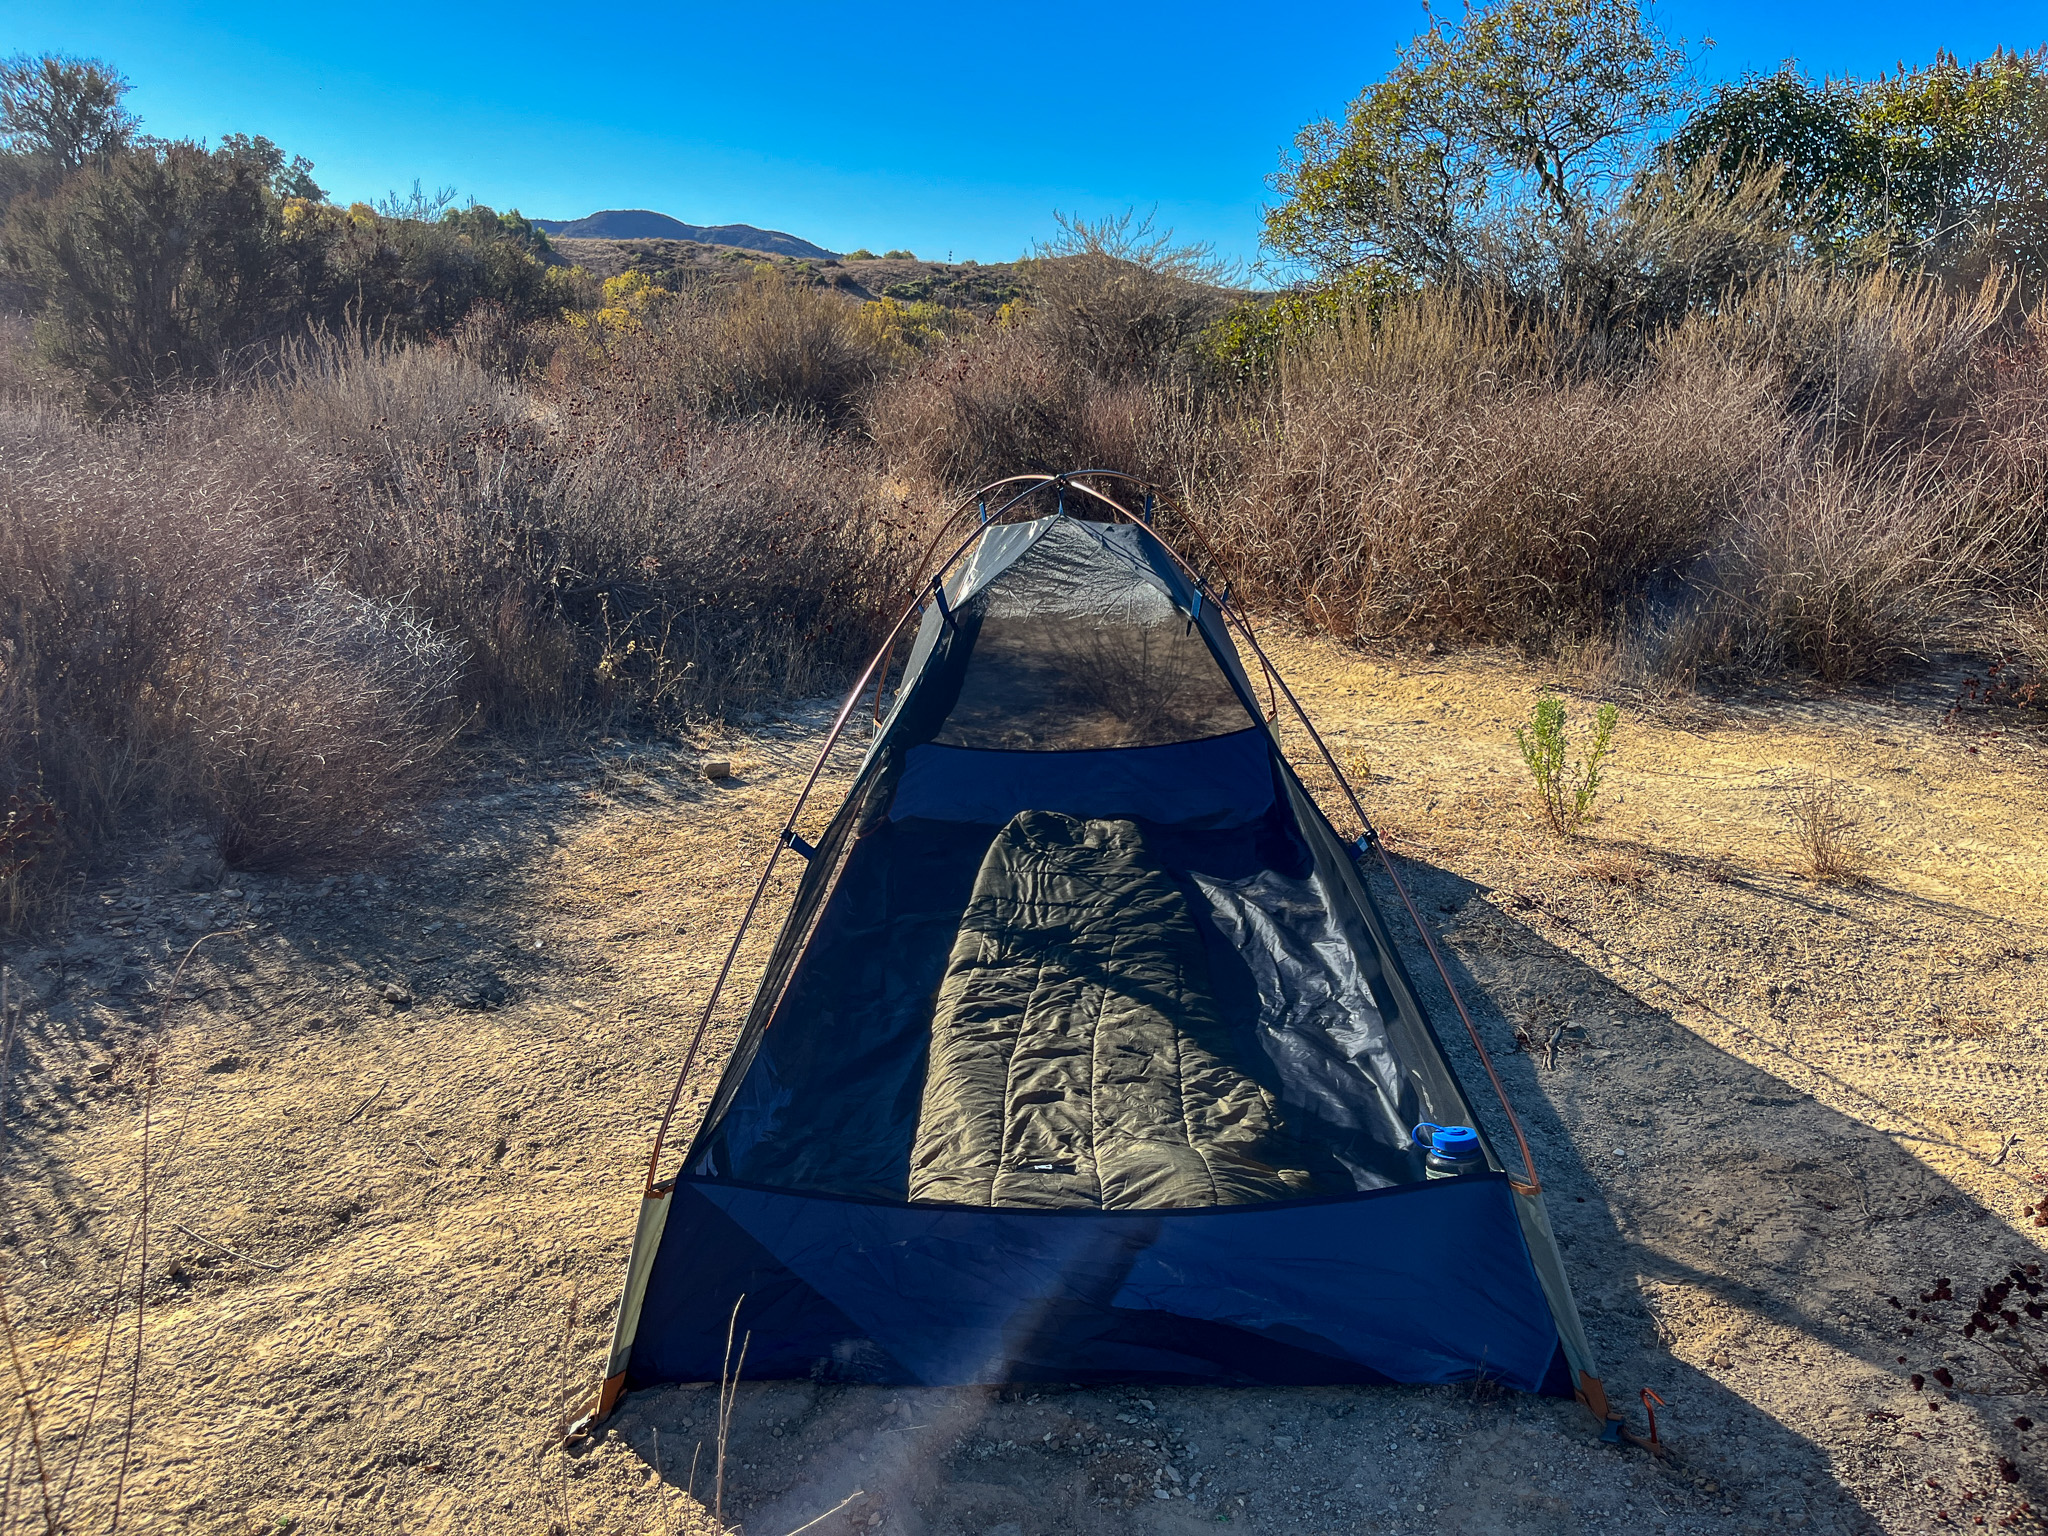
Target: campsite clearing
[(399, 1126)]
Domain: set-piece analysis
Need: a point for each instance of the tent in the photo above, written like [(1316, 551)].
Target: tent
[(1084, 1054)]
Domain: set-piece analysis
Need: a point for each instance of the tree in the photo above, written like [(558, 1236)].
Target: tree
[(63, 110), (1946, 165), (151, 265), (293, 178), (1520, 123)]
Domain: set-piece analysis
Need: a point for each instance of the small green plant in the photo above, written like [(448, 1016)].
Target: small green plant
[(1565, 791)]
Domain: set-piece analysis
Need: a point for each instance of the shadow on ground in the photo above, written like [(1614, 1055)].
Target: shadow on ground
[(1732, 1242)]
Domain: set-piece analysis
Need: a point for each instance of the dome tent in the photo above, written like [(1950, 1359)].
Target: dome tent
[(1084, 1054)]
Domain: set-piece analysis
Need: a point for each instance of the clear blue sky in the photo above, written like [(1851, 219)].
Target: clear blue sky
[(953, 128)]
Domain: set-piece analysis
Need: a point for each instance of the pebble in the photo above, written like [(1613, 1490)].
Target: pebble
[(717, 768)]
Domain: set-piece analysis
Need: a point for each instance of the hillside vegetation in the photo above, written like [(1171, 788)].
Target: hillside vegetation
[(295, 500)]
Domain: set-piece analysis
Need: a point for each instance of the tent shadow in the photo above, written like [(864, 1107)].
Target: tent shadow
[(1709, 1212)]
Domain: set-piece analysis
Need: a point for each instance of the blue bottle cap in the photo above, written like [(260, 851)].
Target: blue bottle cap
[(1453, 1141)]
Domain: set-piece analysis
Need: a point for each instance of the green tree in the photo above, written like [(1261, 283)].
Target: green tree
[(1946, 165), (1521, 122), (151, 265), (68, 110), (57, 115), (285, 178), (483, 224)]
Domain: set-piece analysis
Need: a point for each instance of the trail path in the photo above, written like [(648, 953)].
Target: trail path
[(399, 1125)]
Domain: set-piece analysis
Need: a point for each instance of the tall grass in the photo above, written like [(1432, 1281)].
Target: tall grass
[(1008, 403), (1811, 477), (274, 607)]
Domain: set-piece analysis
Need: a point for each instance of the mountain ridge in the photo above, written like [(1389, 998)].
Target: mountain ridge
[(645, 224)]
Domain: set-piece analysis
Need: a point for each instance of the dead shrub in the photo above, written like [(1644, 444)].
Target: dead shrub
[(1007, 404), (595, 548), (1824, 826), (1870, 362), (1841, 569), (138, 564), (767, 345), (321, 718), (1825, 473), (1429, 500), (272, 607), (1121, 299)]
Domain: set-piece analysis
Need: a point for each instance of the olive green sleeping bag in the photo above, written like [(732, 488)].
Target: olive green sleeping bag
[(1077, 1059)]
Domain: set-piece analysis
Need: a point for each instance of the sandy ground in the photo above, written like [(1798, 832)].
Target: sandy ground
[(395, 1126)]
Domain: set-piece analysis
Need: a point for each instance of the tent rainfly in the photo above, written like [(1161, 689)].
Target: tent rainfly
[(1084, 1054)]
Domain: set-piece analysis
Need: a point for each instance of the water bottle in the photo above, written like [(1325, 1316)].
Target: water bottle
[(1453, 1149)]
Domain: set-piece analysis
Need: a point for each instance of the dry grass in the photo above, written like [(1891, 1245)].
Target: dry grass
[(1007, 402), (273, 607), (1452, 485), (765, 345), (166, 647), (1827, 475), (1824, 827)]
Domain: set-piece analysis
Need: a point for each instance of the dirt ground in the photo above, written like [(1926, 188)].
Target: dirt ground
[(395, 1126)]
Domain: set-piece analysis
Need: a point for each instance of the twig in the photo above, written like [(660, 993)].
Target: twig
[(92, 1404), (141, 1292), (2005, 1144), (28, 1408), (661, 1486), (351, 1120), (9, 1023), (857, 1493), (149, 1083), (728, 1390), (223, 1247), (1556, 1035), (414, 1143)]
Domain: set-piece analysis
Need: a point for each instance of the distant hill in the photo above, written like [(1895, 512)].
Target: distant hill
[(640, 224)]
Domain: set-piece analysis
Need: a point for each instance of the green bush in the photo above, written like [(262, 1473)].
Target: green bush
[(156, 262), (1250, 339), (152, 265)]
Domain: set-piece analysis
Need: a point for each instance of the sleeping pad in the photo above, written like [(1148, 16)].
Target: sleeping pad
[(1077, 1055)]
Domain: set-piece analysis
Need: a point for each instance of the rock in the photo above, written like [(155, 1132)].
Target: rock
[(484, 993), (396, 995), (717, 768), (199, 872)]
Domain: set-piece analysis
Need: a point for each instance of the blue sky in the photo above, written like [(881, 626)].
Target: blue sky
[(946, 129)]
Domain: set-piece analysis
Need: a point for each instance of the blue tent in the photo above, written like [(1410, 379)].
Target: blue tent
[(1084, 1054)]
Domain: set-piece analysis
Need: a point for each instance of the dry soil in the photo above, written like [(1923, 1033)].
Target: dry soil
[(394, 1126)]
